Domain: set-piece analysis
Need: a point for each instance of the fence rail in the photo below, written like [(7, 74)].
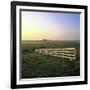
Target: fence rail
[(59, 52)]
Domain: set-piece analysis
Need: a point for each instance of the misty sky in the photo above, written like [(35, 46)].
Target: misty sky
[(50, 25)]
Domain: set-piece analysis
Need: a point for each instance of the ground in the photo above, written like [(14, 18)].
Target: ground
[(35, 65)]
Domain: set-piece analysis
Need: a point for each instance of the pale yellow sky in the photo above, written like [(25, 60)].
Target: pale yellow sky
[(41, 25)]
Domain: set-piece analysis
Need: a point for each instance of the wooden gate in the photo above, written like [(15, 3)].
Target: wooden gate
[(59, 52)]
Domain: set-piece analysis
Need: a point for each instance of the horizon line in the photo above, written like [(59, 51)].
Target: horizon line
[(50, 40)]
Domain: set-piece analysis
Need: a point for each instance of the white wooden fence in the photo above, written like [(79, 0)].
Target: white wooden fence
[(59, 52)]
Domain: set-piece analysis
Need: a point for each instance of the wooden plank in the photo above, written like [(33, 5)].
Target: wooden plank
[(69, 54)]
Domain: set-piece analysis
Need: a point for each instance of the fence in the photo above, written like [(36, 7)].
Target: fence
[(59, 52)]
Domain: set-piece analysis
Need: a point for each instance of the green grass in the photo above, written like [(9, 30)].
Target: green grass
[(36, 65)]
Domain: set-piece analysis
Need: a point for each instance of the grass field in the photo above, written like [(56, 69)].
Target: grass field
[(34, 65)]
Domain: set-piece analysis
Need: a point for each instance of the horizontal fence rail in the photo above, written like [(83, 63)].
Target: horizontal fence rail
[(58, 52)]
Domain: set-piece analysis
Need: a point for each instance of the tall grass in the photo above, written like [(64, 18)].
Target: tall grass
[(36, 65)]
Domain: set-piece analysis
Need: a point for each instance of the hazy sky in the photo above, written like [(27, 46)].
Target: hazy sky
[(50, 25)]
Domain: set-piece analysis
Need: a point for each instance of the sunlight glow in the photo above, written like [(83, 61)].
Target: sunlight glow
[(51, 26)]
